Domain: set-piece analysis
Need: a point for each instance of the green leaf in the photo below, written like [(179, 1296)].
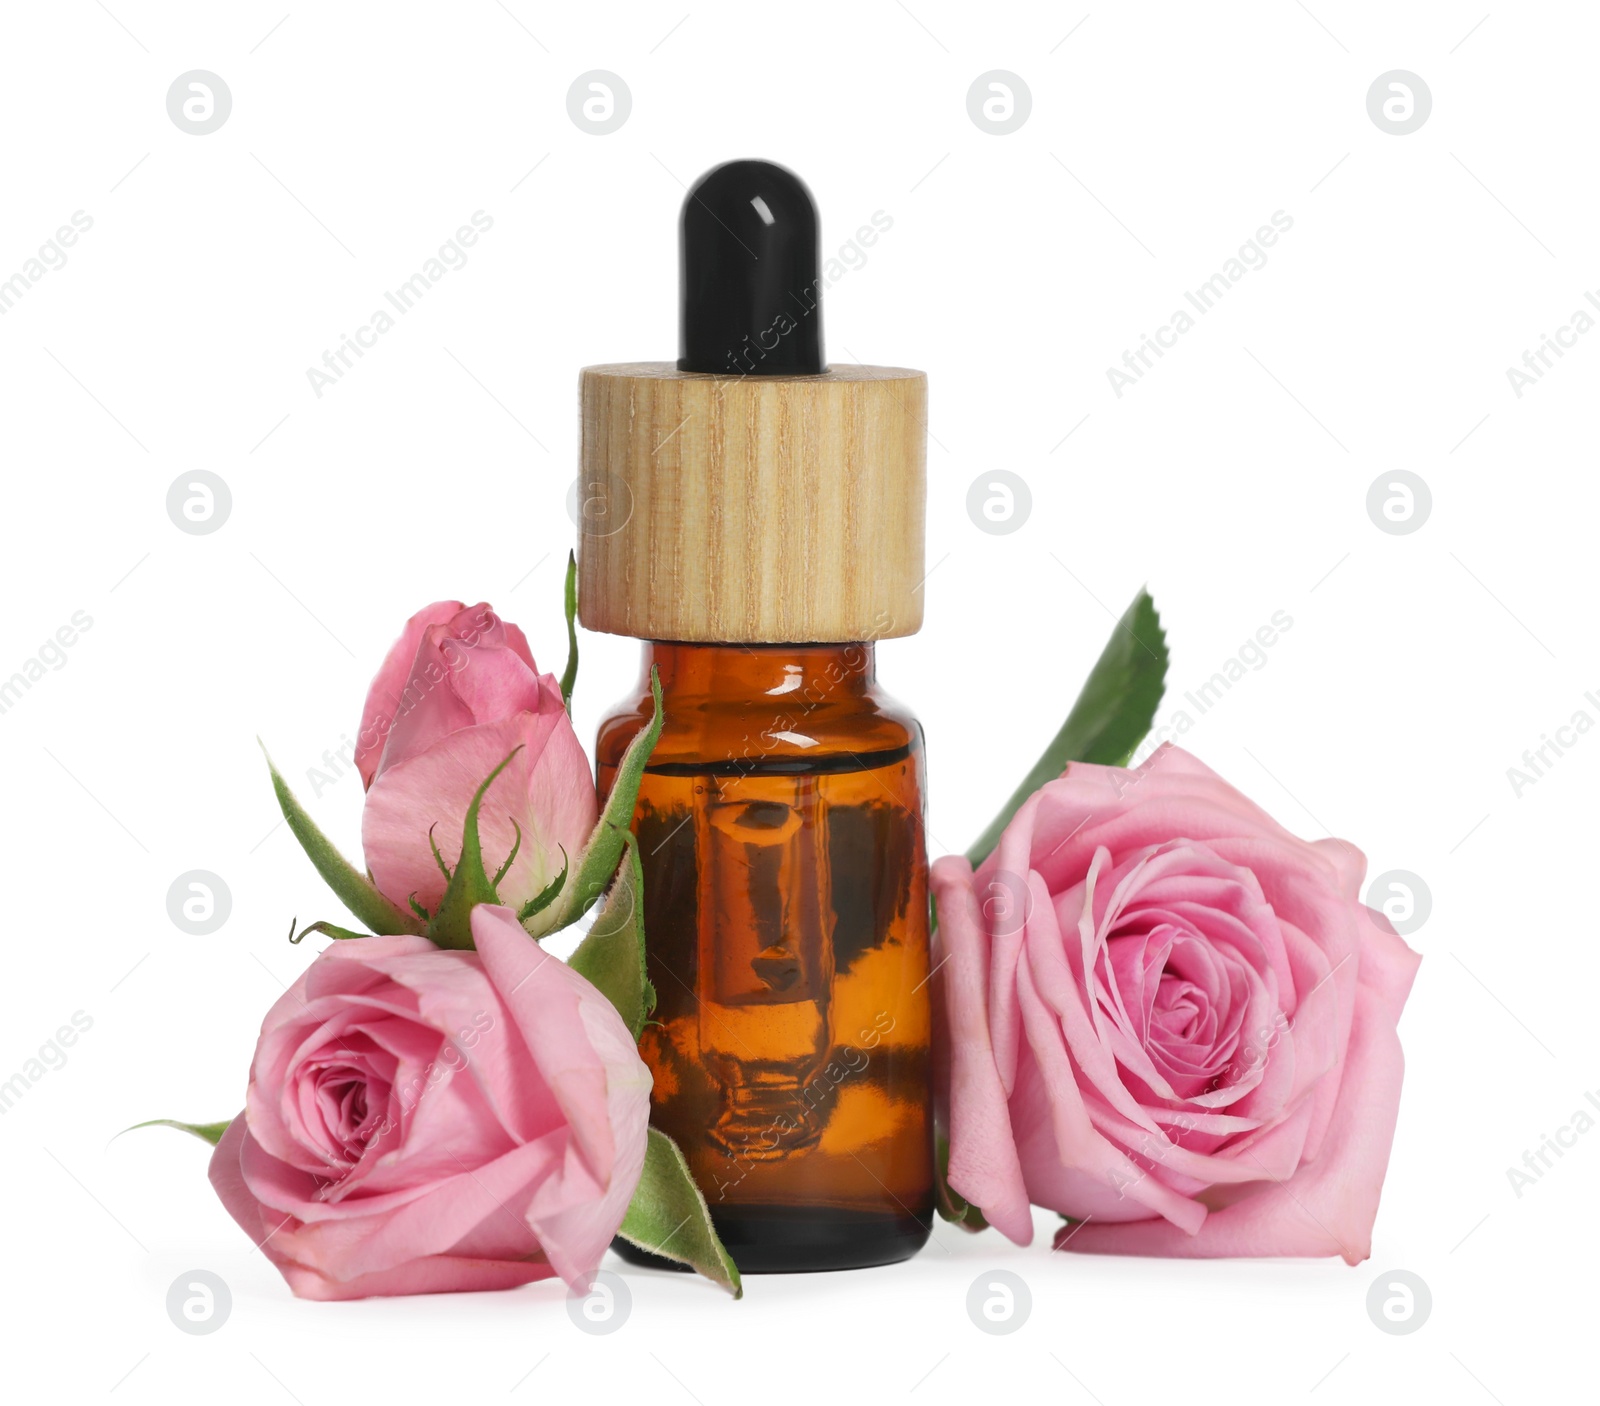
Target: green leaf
[(469, 885), (611, 956), (669, 1216), (353, 888), (206, 1132), (600, 856), (1110, 718), (569, 675), (954, 1207)]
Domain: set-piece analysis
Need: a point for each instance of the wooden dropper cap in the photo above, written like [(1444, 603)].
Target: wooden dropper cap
[(749, 493)]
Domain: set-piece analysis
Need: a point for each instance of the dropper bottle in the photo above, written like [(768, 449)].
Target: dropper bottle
[(756, 517)]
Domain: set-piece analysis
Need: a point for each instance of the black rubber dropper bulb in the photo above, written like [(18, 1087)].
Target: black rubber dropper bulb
[(750, 288)]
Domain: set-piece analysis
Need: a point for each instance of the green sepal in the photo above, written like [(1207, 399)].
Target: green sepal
[(953, 1207), (326, 929), (611, 956), (206, 1132), (437, 857), (510, 859), (545, 897), (669, 1217), (353, 888), (569, 675), (469, 884), (600, 856), (1111, 717)]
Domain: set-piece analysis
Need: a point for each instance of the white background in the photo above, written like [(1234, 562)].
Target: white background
[(1232, 478)]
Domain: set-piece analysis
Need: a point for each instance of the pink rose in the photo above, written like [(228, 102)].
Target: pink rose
[(456, 694), (1171, 1021), (421, 1120)]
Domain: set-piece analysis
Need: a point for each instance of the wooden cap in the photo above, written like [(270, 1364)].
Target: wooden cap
[(756, 509)]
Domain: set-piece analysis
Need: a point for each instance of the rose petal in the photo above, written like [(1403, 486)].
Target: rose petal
[(1328, 1206), (546, 790), (983, 1157), (383, 698)]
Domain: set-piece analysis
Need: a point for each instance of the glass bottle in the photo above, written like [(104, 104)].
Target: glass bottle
[(748, 494), (780, 826)]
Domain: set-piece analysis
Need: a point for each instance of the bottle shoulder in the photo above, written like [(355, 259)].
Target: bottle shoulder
[(863, 721)]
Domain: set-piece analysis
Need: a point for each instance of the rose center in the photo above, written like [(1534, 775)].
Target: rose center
[(1181, 1009), (344, 1107)]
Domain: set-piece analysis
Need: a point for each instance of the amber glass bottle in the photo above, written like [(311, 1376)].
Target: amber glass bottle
[(748, 495), (780, 825)]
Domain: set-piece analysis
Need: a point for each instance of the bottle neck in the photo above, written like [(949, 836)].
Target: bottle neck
[(799, 674)]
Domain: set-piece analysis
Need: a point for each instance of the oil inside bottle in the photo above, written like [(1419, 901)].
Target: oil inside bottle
[(786, 928)]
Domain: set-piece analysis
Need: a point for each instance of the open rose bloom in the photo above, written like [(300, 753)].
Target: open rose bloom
[(1169, 1020), (456, 695), (421, 1120)]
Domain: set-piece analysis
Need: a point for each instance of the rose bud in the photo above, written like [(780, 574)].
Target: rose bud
[(457, 694)]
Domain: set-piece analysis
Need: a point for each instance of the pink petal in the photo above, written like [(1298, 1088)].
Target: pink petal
[(438, 1274), (589, 1060), (546, 788), (983, 1157), (1328, 1206), (383, 698)]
